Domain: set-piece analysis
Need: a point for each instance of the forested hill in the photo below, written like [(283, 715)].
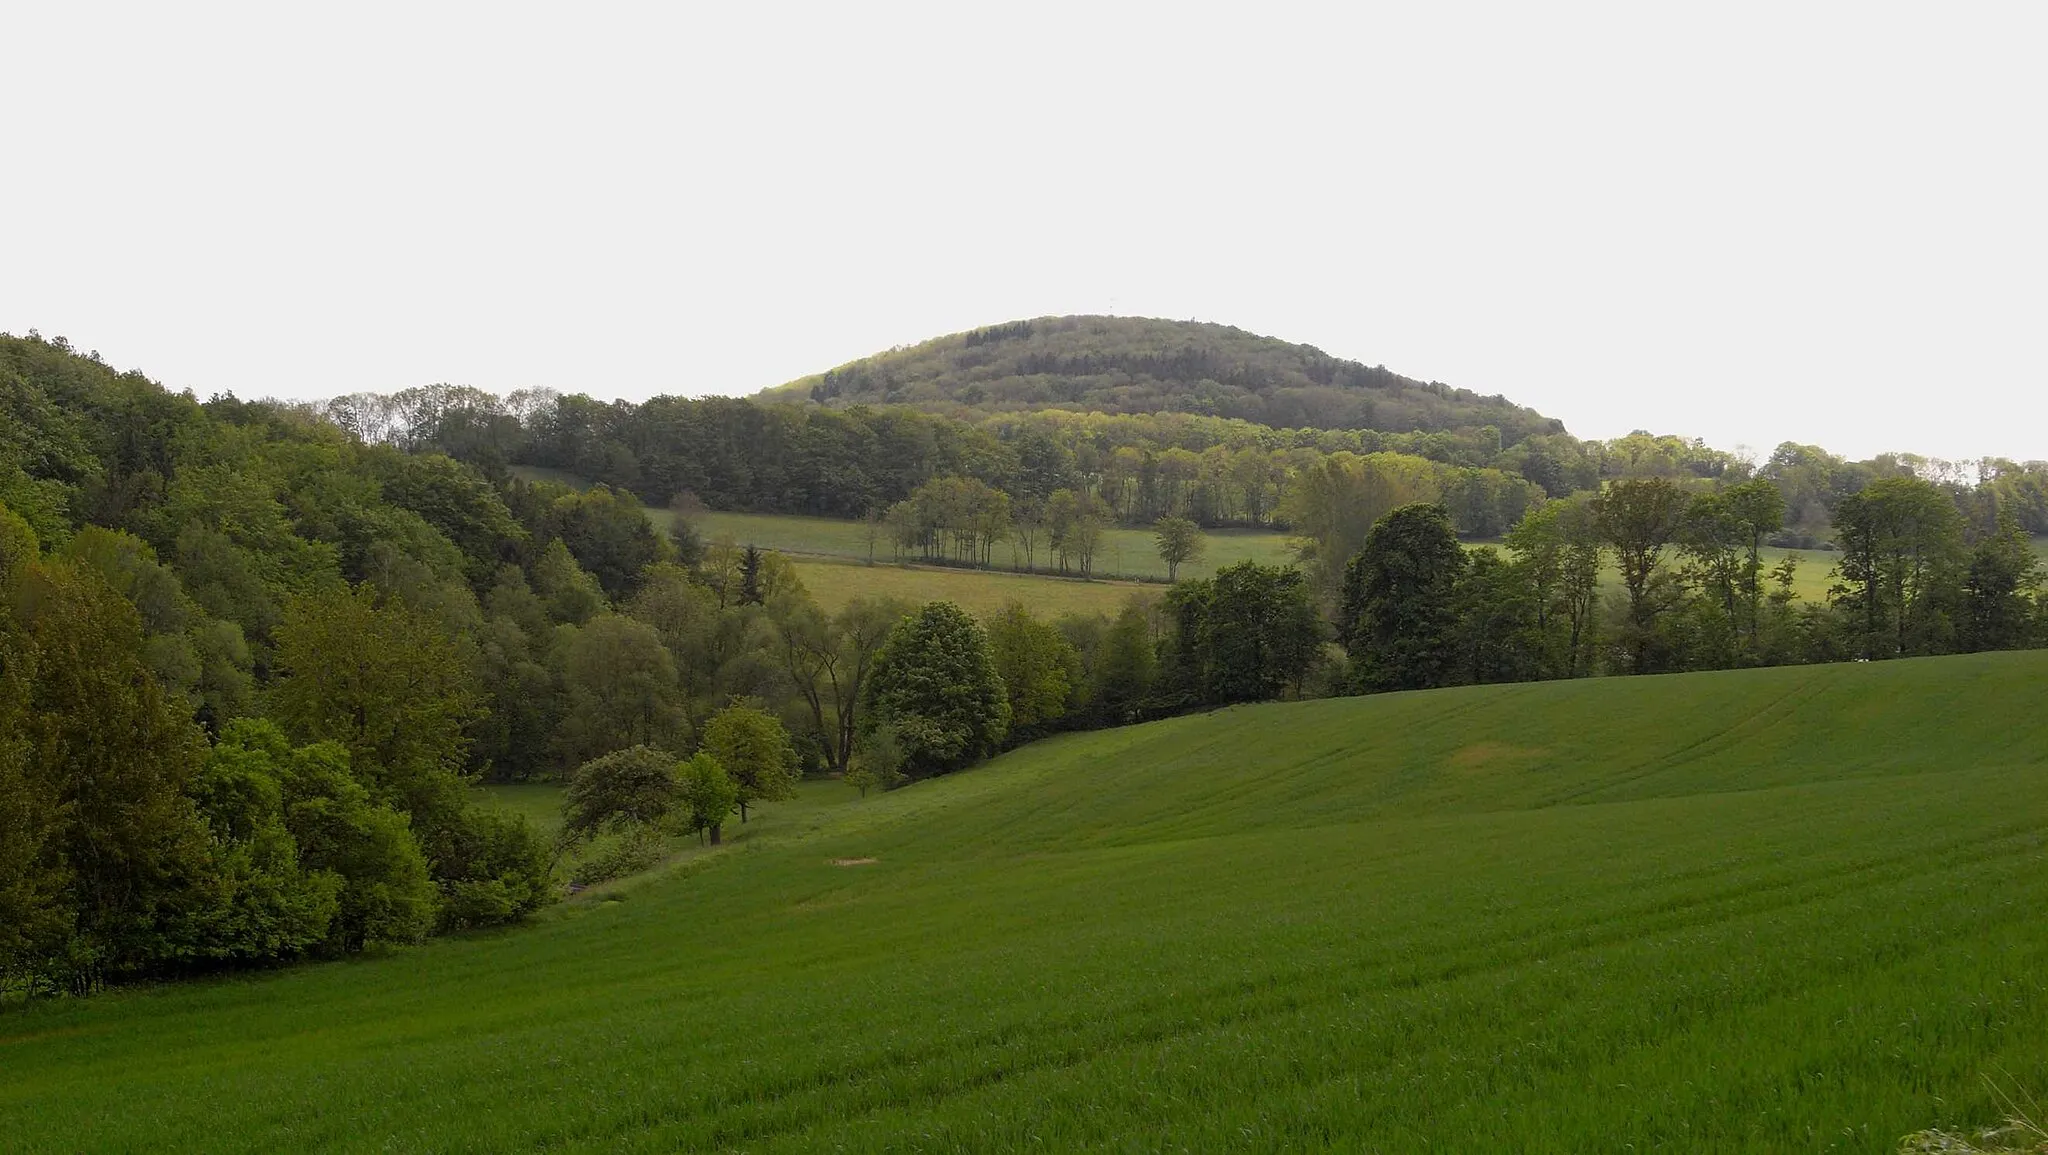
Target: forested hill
[(1143, 365)]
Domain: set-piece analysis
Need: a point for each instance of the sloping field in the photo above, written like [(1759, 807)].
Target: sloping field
[(1781, 910)]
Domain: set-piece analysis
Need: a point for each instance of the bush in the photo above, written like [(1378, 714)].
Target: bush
[(619, 791), (629, 852), (493, 868)]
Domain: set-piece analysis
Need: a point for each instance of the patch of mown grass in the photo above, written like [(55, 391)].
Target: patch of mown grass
[(1774, 910)]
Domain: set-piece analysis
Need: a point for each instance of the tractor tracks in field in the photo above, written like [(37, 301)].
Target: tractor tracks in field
[(1697, 748), (906, 1077)]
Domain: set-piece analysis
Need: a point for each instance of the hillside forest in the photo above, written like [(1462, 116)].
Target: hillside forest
[(254, 655)]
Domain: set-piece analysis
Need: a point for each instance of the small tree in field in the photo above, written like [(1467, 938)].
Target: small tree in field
[(707, 795), (877, 762), (631, 787), (1179, 540), (755, 750)]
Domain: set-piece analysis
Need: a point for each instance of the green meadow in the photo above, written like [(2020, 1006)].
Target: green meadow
[(835, 581), (1781, 910), (1124, 553), (823, 547)]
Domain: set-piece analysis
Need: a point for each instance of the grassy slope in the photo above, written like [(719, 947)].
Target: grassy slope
[(1781, 910), (541, 804)]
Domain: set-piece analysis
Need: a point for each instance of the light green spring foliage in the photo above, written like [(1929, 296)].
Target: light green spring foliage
[(571, 594), (1458, 920), (622, 689), (1039, 667), (707, 793), (877, 762), (1179, 541), (18, 545), (340, 834), (754, 749)]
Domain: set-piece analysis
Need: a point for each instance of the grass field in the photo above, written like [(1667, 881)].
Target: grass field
[(818, 541), (538, 802), (833, 583), (1124, 552), (1776, 910)]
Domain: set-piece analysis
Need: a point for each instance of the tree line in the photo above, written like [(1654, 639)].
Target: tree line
[(1690, 589), (784, 457)]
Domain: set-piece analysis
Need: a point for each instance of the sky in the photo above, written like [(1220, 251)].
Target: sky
[(1748, 223)]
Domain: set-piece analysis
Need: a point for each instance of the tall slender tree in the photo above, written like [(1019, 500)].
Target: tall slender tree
[(1637, 519), (1399, 606)]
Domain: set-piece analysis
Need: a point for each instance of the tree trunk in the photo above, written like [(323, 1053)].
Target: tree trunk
[(714, 835)]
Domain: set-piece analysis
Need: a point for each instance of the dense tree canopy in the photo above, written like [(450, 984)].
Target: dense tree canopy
[(1136, 365), (936, 687), (1246, 635), (1400, 601)]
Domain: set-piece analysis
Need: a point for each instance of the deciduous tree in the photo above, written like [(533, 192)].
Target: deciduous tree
[(1637, 518), (636, 786), (390, 687), (1039, 668), (754, 748), (935, 683), (1399, 605), (1901, 541), (708, 795), (1179, 540)]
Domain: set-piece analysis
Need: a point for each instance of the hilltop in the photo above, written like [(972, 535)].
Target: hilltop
[(1789, 909), (1144, 365)]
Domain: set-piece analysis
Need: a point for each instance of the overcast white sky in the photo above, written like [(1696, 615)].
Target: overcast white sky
[(1749, 223)]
